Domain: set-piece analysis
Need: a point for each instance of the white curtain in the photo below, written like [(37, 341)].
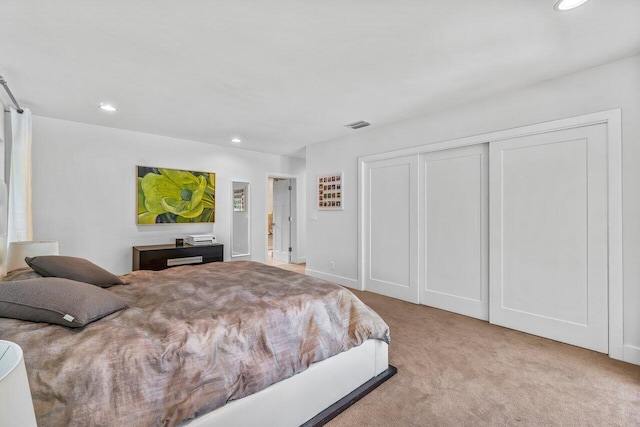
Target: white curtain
[(20, 220), (3, 226)]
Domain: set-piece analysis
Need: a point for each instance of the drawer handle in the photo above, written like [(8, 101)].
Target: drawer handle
[(184, 261)]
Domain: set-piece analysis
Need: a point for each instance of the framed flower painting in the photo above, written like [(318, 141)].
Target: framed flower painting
[(168, 196)]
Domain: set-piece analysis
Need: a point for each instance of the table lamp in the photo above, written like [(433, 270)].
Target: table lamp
[(19, 250)]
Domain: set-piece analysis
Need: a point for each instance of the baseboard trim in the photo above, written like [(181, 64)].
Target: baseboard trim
[(351, 283), (631, 354), (343, 404)]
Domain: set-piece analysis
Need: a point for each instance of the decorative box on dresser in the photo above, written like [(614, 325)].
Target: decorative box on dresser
[(159, 257)]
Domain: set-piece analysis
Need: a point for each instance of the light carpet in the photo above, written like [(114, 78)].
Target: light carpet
[(458, 371)]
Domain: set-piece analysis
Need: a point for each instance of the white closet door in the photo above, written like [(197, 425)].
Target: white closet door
[(390, 228), (454, 226), (548, 235)]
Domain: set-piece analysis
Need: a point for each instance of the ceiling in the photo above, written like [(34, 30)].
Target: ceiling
[(284, 74)]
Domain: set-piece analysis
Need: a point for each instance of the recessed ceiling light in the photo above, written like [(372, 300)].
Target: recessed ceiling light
[(236, 140), (563, 5), (107, 107)]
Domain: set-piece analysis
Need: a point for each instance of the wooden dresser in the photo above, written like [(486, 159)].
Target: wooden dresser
[(159, 257)]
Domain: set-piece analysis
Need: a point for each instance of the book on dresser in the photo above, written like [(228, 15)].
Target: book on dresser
[(159, 257)]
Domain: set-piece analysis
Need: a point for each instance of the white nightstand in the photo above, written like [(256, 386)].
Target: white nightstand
[(16, 406)]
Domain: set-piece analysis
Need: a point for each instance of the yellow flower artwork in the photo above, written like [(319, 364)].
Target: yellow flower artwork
[(175, 196)]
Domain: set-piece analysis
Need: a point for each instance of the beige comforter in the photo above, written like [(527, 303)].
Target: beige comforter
[(193, 338)]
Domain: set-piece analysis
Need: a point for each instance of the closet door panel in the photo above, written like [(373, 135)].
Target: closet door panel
[(390, 213), (454, 223), (549, 235)]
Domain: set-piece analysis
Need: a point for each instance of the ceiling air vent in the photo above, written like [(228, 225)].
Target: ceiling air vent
[(358, 125)]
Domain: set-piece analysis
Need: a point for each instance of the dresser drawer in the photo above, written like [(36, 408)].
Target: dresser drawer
[(159, 257)]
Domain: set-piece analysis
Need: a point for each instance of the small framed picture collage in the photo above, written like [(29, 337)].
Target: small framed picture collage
[(330, 192)]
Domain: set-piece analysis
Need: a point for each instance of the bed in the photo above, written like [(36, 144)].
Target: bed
[(236, 343)]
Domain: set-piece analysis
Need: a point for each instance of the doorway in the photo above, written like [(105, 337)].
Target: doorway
[(281, 223)]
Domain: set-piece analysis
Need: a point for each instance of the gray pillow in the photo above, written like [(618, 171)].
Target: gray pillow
[(72, 268), (53, 300), (23, 273)]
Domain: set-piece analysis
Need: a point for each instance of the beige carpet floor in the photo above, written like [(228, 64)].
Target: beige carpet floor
[(457, 371)]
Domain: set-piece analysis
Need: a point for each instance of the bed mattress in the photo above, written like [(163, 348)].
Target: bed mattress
[(192, 339)]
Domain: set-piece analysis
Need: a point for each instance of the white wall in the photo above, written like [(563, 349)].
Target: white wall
[(616, 85), (85, 194)]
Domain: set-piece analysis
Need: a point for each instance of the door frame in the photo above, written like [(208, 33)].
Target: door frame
[(613, 120), (295, 223)]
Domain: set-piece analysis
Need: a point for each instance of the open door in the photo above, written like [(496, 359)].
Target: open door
[(282, 220)]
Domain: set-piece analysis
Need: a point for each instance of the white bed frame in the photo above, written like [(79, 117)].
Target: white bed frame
[(296, 400)]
